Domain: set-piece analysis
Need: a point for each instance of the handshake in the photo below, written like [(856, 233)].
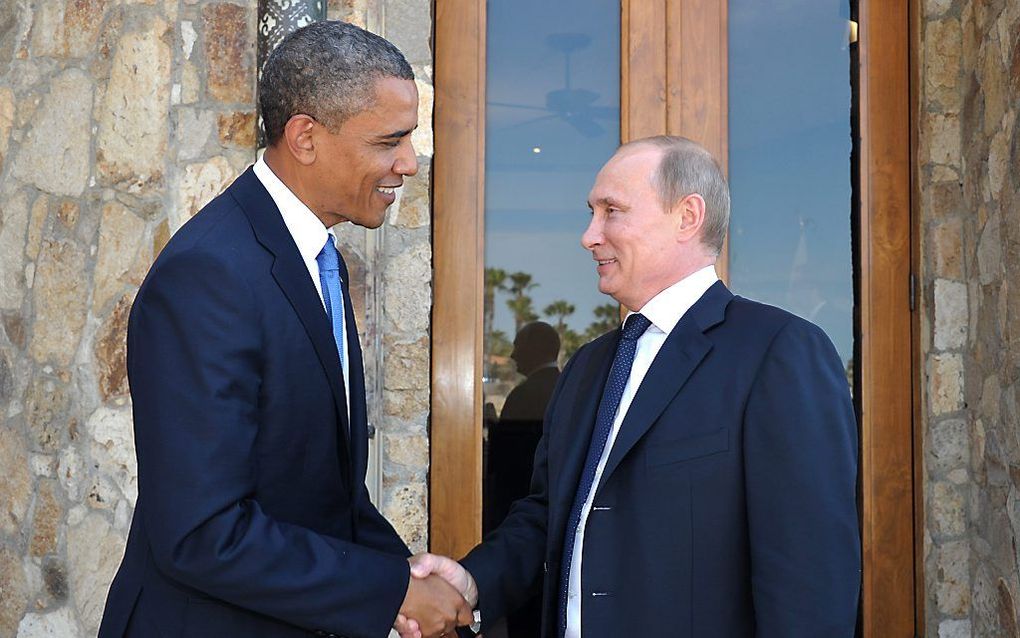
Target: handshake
[(440, 597)]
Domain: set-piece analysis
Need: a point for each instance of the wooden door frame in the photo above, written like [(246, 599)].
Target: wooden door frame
[(658, 97)]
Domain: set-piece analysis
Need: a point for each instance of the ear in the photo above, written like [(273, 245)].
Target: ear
[(690, 215), (298, 138)]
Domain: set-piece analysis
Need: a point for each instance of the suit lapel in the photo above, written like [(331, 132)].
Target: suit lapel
[(572, 438), (684, 349), (291, 275), (356, 374)]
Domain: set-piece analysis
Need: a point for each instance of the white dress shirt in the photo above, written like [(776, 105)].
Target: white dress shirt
[(664, 310), (310, 236)]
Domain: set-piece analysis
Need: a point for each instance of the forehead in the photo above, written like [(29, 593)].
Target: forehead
[(394, 106), (630, 172)]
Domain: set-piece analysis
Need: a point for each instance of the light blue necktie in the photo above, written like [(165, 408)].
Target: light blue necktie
[(329, 276)]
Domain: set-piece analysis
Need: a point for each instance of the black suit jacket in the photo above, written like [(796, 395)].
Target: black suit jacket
[(252, 517), (727, 507)]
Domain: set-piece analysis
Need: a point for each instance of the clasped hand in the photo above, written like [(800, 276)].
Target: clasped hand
[(440, 597)]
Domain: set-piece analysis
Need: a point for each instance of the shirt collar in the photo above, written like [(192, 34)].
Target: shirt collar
[(307, 230), (666, 309)]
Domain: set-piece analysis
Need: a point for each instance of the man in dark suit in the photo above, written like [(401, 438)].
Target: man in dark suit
[(247, 382), (512, 442), (697, 473)]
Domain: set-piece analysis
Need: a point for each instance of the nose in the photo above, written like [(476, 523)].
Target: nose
[(406, 162), (592, 235)]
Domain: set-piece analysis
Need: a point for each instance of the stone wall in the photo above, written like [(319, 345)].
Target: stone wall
[(119, 119), (969, 154)]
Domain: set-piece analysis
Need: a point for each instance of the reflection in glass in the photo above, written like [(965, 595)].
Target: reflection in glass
[(789, 160), (552, 120)]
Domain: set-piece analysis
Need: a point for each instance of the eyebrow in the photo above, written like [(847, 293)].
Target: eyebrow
[(396, 135), (605, 201)]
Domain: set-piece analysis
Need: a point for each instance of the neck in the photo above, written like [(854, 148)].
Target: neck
[(290, 173)]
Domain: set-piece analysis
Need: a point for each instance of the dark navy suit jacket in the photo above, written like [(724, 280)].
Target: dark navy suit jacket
[(252, 517), (727, 507)]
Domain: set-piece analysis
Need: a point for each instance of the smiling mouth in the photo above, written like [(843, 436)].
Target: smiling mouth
[(387, 190), (604, 262)]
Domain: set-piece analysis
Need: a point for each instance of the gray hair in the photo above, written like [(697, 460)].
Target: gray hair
[(687, 168), (326, 70)]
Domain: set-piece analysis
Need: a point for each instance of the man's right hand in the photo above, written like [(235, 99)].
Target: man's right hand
[(437, 607)]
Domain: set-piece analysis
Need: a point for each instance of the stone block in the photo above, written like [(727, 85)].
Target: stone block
[(46, 522), (237, 129), (48, 31), (54, 624), (954, 629), (952, 586), (943, 40), (414, 209), (133, 130), (14, 591), (54, 581), (6, 121), (113, 449), (13, 228), (993, 78), (408, 292), (406, 507), (94, 551), (1006, 609), (191, 84), (47, 401), (15, 482), (422, 137), (989, 252), (194, 128), (55, 154), (37, 226), (83, 20), (950, 314), (941, 139), (404, 28), (353, 11), (998, 161), (230, 50), (196, 187), (945, 383), (947, 509), (59, 305), (948, 446), (406, 405), (945, 248), (407, 450), (121, 233), (407, 365), (111, 351)]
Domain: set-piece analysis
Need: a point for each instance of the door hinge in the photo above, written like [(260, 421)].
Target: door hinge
[(913, 292)]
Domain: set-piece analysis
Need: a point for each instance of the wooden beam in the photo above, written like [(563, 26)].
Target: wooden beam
[(458, 199)]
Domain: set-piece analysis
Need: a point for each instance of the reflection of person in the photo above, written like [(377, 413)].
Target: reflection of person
[(536, 349), (698, 468), (512, 443), (247, 383)]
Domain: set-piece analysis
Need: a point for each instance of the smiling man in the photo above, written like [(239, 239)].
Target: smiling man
[(697, 472), (247, 382)]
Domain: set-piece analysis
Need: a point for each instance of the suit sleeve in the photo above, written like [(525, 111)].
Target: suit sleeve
[(800, 447), (509, 563), (194, 359)]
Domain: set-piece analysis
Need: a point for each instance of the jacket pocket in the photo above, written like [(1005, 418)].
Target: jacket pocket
[(687, 448)]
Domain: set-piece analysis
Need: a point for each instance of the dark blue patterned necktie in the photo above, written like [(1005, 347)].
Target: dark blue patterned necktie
[(618, 375)]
